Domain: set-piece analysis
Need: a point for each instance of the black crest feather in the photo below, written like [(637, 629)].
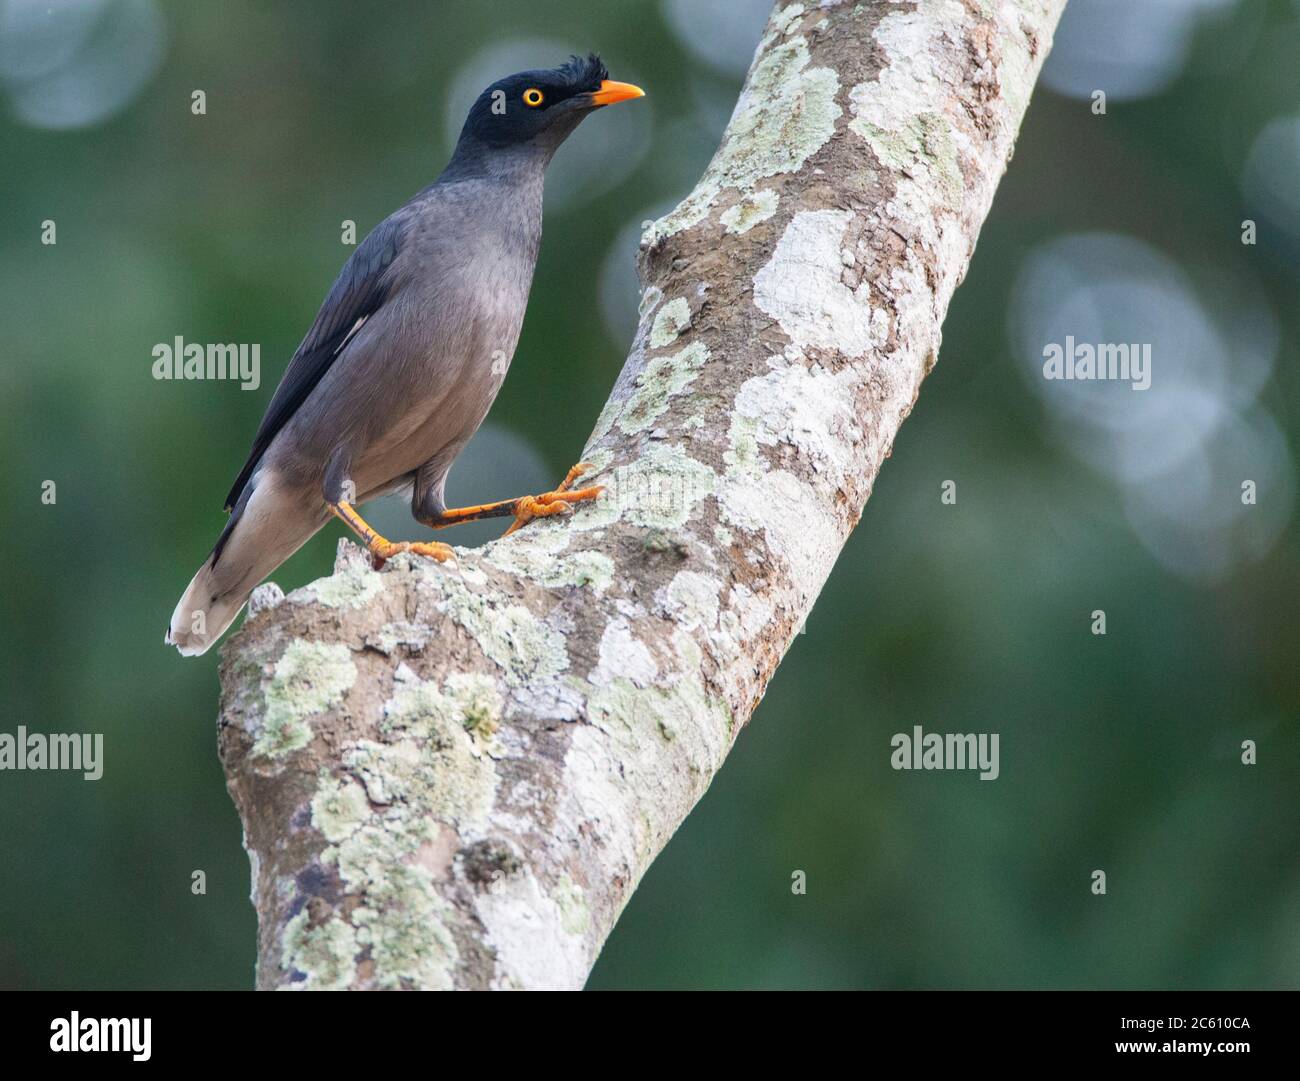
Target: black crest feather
[(584, 73)]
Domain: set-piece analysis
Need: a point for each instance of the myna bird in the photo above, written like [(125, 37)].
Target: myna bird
[(406, 355)]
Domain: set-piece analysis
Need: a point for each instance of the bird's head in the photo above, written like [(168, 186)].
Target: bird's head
[(540, 109)]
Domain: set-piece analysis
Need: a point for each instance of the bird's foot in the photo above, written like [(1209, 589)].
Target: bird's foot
[(381, 550), (559, 501)]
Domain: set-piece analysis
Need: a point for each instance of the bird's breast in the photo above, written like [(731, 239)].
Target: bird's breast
[(444, 386)]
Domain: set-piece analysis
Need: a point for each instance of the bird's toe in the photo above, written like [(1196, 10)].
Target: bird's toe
[(573, 475), (431, 549)]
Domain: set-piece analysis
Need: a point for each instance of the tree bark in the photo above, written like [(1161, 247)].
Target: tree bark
[(454, 776)]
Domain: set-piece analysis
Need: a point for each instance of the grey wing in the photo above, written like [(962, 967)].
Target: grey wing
[(363, 286)]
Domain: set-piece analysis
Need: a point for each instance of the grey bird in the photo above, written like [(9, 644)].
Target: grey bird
[(406, 355)]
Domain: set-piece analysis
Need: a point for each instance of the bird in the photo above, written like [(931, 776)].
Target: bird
[(406, 355)]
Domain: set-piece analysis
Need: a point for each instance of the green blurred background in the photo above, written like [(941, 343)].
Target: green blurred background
[(1118, 752)]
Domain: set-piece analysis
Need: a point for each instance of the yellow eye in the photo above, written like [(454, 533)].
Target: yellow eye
[(532, 97)]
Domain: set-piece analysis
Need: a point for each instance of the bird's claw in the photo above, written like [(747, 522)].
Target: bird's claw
[(572, 475), (381, 551), (560, 501)]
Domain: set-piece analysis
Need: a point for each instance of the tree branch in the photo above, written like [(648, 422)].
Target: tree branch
[(455, 776)]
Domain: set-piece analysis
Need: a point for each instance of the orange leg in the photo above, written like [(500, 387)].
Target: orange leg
[(525, 508), (381, 549)]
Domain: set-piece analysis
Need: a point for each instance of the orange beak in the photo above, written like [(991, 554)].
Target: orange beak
[(610, 92)]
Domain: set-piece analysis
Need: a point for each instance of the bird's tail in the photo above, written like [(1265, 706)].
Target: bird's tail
[(263, 531)]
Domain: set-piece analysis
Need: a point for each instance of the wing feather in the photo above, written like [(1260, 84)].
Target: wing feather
[(360, 290)]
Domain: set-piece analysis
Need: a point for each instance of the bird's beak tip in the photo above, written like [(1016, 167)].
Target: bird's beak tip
[(611, 92)]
